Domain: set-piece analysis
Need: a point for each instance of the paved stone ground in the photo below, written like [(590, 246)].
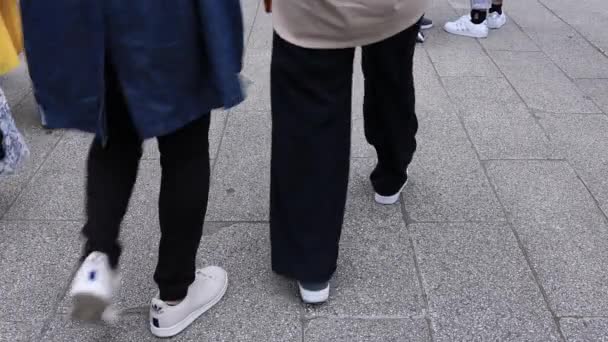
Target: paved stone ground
[(501, 235)]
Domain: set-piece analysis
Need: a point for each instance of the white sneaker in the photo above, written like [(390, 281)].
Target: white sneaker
[(496, 21), (392, 199), (314, 293), (208, 288), (465, 27), (93, 289)]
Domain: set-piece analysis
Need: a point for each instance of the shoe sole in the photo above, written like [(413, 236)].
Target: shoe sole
[(186, 322), (87, 307), (314, 297), (390, 200), (426, 27)]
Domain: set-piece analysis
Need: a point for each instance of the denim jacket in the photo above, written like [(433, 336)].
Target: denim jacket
[(175, 59)]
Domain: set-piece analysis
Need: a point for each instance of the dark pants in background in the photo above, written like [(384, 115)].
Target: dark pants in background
[(112, 171), (311, 113)]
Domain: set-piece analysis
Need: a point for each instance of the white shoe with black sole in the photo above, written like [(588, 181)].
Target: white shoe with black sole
[(93, 289), (392, 199), (208, 288), (316, 293)]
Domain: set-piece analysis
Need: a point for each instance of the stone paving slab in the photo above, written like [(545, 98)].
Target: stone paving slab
[(241, 175), (36, 262), (583, 139), (562, 230), (596, 89), (366, 330), (501, 127), (474, 295), (509, 38), (585, 329), (541, 84), (447, 182)]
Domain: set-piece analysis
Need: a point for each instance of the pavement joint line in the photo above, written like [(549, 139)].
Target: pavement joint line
[(14, 220), (595, 201), (524, 159), (30, 180), (425, 299), (573, 28), (524, 252), (552, 61), (583, 317), (366, 318), (530, 110)]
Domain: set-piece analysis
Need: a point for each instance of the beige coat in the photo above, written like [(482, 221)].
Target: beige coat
[(326, 24)]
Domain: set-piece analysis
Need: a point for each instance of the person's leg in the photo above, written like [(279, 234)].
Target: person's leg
[(389, 108), (311, 114), (111, 175), (496, 17), (182, 206)]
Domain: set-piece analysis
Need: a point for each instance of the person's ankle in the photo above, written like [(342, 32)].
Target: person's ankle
[(478, 16)]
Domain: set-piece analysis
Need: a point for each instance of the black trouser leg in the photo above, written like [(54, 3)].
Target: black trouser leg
[(111, 175), (311, 113), (390, 108), (183, 204)]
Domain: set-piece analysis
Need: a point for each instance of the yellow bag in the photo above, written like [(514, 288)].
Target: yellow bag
[(11, 35)]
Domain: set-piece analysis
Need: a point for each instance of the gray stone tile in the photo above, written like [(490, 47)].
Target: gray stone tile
[(430, 94), (261, 33), (360, 147), (56, 192), (131, 328), (583, 140), (532, 15), (458, 56), (36, 262), (239, 189), (572, 53), (597, 90), (478, 284), (585, 329), (25, 331), (562, 230), (256, 70), (40, 142), (366, 330), (509, 38), (16, 85), (250, 10), (500, 126), (590, 18), (542, 85), (447, 182)]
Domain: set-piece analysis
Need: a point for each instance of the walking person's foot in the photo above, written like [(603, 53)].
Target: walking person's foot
[(420, 38), (391, 199), (496, 20), (426, 23), (168, 319), (314, 292), (465, 27), (93, 289)]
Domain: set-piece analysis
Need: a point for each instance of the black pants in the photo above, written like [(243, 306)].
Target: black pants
[(311, 113), (112, 171)]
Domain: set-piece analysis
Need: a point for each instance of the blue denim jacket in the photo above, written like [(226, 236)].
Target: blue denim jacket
[(175, 59)]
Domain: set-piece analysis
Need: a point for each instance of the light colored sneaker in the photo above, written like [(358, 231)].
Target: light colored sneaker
[(465, 27), (208, 288), (93, 289), (496, 21), (314, 293), (392, 199)]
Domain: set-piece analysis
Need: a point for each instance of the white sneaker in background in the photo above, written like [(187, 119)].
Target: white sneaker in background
[(208, 288), (496, 21), (93, 289), (465, 27)]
